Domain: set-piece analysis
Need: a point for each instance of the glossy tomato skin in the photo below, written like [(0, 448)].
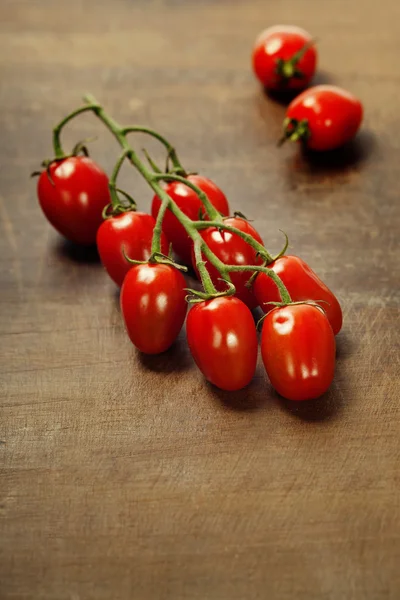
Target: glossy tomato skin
[(75, 202), (298, 351), (189, 203), (302, 283), (131, 232), (153, 306), (283, 42), (333, 116), (232, 250), (223, 341)]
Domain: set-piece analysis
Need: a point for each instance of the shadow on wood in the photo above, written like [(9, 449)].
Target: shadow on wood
[(253, 397), (76, 253), (285, 97), (333, 162), (176, 358)]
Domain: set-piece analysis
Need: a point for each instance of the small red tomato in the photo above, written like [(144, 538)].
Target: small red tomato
[(189, 203), (74, 202), (324, 117), (298, 351), (153, 306), (131, 232), (284, 58), (232, 250), (302, 284), (223, 341)]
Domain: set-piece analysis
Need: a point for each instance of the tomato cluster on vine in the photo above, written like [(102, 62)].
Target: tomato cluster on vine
[(191, 225)]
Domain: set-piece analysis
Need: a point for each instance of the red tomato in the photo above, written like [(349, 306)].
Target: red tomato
[(74, 202), (298, 351), (153, 306), (232, 250), (189, 203), (129, 231), (223, 341), (325, 117), (276, 61), (302, 284)]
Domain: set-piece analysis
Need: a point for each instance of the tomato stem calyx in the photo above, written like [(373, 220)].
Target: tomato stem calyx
[(315, 303), (287, 69), (155, 258), (240, 215), (196, 296), (295, 131)]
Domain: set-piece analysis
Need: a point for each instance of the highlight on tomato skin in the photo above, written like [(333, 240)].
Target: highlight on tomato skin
[(188, 201), (128, 233), (222, 339), (153, 305), (302, 283), (72, 195), (298, 351), (284, 58)]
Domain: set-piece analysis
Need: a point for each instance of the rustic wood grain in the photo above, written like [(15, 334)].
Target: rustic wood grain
[(128, 477)]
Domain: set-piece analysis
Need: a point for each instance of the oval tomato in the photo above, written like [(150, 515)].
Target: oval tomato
[(223, 341), (74, 202), (189, 203), (153, 306), (323, 117), (131, 232), (298, 351), (278, 60), (302, 284), (232, 250)]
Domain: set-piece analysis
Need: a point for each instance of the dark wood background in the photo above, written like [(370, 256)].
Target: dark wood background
[(130, 477)]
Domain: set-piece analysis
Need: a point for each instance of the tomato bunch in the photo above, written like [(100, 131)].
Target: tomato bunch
[(190, 215)]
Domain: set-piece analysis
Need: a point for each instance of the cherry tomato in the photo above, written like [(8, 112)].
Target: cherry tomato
[(153, 306), (131, 232), (298, 351), (302, 284), (232, 250), (223, 341), (284, 58), (189, 203), (323, 117), (74, 202)]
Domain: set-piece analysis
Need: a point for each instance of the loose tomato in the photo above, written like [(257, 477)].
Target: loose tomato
[(153, 305), (223, 341), (298, 351), (74, 198), (232, 250), (284, 58), (189, 203), (324, 117), (130, 232), (302, 284)]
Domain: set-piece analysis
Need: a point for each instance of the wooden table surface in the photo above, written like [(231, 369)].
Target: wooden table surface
[(128, 477)]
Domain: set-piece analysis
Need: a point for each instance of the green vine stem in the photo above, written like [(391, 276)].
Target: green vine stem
[(209, 208), (58, 150), (156, 241), (206, 280), (190, 226), (259, 248), (171, 152)]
